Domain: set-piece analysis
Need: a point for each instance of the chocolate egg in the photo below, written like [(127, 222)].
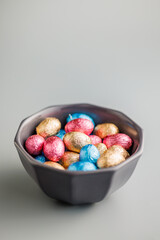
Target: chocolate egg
[(61, 134), (53, 148), (82, 166), (112, 157), (40, 158), (48, 127), (79, 125), (68, 158), (54, 165), (34, 144), (89, 153), (79, 115), (104, 129), (101, 148), (118, 148), (118, 139), (95, 139), (74, 141)]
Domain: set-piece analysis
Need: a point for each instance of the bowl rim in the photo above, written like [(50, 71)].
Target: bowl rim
[(31, 159)]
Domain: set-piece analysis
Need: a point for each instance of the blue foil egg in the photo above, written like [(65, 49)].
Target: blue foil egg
[(40, 158), (61, 134), (82, 166), (79, 115), (89, 153), (42, 153)]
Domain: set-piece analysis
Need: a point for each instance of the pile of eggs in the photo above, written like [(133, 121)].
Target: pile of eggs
[(81, 146)]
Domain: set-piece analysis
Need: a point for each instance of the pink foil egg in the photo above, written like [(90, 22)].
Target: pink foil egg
[(95, 139), (34, 144), (79, 125), (118, 139), (53, 148)]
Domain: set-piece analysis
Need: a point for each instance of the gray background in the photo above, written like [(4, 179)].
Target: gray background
[(101, 52)]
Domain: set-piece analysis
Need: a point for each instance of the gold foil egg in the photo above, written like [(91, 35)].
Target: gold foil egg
[(105, 129), (74, 141), (112, 157), (101, 148), (48, 127), (118, 148), (54, 165), (68, 158)]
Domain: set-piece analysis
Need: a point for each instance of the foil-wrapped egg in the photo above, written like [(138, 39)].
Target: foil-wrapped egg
[(82, 166), (54, 165), (118, 139), (79, 115), (95, 139), (40, 158), (120, 149), (74, 141), (53, 148), (61, 134), (48, 127), (105, 129), (112, 157), (79, 125), (68, 158), (89, 153), (101, 148), (34, 144)]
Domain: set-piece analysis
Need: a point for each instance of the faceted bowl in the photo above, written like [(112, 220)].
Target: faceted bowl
[(80, 187)]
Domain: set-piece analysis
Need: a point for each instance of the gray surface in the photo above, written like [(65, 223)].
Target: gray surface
[(101, 52)]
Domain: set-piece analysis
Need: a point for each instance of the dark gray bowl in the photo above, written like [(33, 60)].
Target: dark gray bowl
[(80, 187)]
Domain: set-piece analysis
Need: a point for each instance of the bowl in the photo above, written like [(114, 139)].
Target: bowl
[(80, 187)]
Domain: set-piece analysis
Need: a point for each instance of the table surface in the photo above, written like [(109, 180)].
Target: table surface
[(100, 52)]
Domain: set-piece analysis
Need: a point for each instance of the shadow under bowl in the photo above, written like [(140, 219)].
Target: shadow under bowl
[(80, 187)]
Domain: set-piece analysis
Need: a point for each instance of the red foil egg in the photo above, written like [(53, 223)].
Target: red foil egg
[(79, 125), (118, 139), (34, 144), (95, 139), (53, 148)]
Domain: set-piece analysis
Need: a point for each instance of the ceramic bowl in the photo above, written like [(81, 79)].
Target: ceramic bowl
[(80, 187)]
